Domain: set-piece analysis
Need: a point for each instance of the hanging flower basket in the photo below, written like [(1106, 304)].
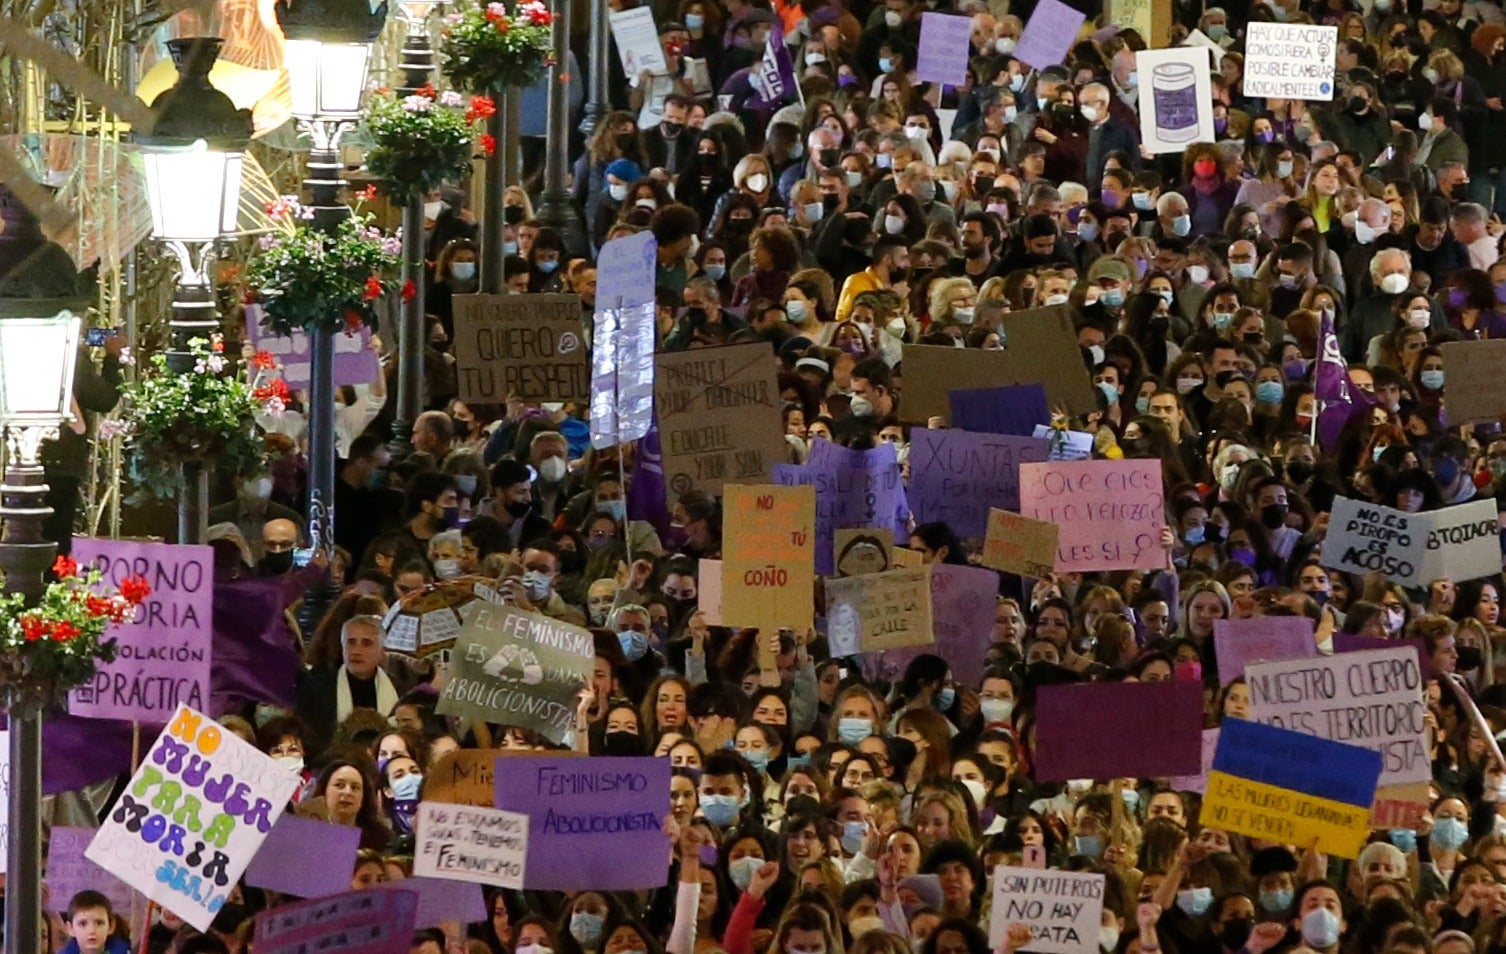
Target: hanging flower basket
[(312, 280), (488, 47), (49, 648), (421, 141)]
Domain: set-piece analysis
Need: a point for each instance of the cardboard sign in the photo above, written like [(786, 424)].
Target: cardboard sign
[(1080, 730), (1463, 542), (1474, 376), (462, 777), (164, 650), (878, 611), (1371, 699), (859, 550), (194, 815), (956, 477), (529, 347), (718, 413), (1040, 348), (1199, 782), (1063, 909), (375, 921), (854, 488), (1413, 549), (593, 824), (1049, 35), (1291, 788), (356, 362), (768, 565), (637, 40), (1110, 512), (1017, 544), (470, 843), (305, 857), (1399, 806), (945, 44), (1017, 409), (964, 601), (69, 872), (1290, 61), (520, 669), (1176, 99), (1240, 642)]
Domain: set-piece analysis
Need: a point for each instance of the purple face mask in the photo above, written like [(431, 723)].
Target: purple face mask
[(1456, 298), (1295, 370)]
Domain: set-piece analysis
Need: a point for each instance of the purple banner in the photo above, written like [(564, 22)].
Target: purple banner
[(1338, 398), (163, 653), (854, 488), (69, 872), (1049, 35), (1080, 730), (254, 655), (593, 824), (1355, 643), (355, 359), (375, 921), (964, 601), (945, 44), (305, 857), (1240, 642), (443, 900), (1014, 409), (955, 476)]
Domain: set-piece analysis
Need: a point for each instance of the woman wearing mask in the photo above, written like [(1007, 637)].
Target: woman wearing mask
[(808, 300), (545, 259), (1273, 187), (709, 176), (1428, 377), (735, 219), (1446, 845), (1442, 142), (774, 255), (586, 917), (1469, 302), (1209, 192), (712, 259), (454, 274), (752, 177), (403, 780)]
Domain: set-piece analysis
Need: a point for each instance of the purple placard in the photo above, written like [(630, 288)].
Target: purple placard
[(163, 653), (1355, 643), (376, 921), (964, 602), (69, 872), (1049, 35), (1080, 730), (305, 857), (355, 360), (945, 44), (854, 488), (1199, 783), (1239, 642), (440, 899), (1016, 409), (593, 824), (956, 476)]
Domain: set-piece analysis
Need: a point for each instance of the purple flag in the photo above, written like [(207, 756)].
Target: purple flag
[(254, 658), (774, 77), (646, 493), (1337, 396)]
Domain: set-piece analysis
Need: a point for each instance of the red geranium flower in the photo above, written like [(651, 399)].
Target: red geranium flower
[(373, 288), (488, 143), (33, 628), (368, 194), (63, 631), (263, 361), (427, 91), (99, 606), (134, 589), (65, 567), (410, 292)]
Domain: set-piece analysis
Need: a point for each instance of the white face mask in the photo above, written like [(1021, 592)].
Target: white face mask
[(1005, 46), (1419, 318), (292, 763), (894, 224), (893, 19), (1242, 269), (1057, 299), (975, 788), (432, 209), (1197, 274), (757, 182), (1090, 113), (552, 469), (446, 569), (258, 488), (896, 327), (1394, 283), (617, 191)]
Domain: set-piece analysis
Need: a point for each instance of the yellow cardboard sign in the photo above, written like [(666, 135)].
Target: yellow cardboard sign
[(1285, 816), (769, 557), (1016, 544)]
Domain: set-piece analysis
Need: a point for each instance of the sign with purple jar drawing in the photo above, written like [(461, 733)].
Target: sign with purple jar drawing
[(1176, 98)]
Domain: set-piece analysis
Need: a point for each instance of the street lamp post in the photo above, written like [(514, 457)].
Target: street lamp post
[(417, 65), (327, 51), (555, 207), (193, 159), (598, 93), (40, 294)]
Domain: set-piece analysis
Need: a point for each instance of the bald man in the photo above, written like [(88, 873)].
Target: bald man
[(279, 537)]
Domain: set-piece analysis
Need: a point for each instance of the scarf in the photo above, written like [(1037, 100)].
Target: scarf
[(385, 691)]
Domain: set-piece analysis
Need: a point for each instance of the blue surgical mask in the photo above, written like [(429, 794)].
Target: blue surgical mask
[(694, 21), (798, 761), (1269, 392), (1449, 834), (634, 644), (585, 927), (1142, 405), (1432, 379), (547, 266), (741, 870), (1112, 297), (715, 272), (1087, 231), (1181, 226), (945, 698), (720, 810), (1320, 928), (1195, 902), (1110, 391), (1131, 798), (1283, 167), (1090, 846), (405, 789), (853, 731), (509, 248), (537, 584), (1405, 839), (886, 65), (852, 836), (1278, 901), (758, 758), (1194, 535), (1222, 320), (616, 509)]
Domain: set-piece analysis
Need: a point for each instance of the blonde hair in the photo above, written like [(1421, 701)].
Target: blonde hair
[(942, 294), (744, 168)]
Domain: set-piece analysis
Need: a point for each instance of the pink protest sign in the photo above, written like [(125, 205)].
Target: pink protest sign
[(163, 653), (1081, 729), (1049, 35), (1110, 512), (945, 44), (377, 921), (1239, 642)]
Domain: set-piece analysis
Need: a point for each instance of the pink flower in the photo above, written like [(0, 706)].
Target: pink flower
[(451, 98), (127, 357), (275, 405), (417, 104), (109, 429), (216, 363), (496, 11)]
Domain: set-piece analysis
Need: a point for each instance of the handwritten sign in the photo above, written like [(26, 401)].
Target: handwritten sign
[(964, 601), (1080, 730), (1110, 512), (768, 573), (1049, 35), (164, 650), (854, 488), (528, 347), (890, 610), (1290, 60), (355, 360), (375, 921), (1474, 376), (463, 777), (305, 857), (1291, 788), (593, 824), (718, 413), (518, 668), (1462, 542), (69, 872), (955, 477), (469, 843), (1176, 98), (859, 550), (1372, 699), (195, 813), (945, 42), (1365, 537), (1017, 544), (1239, 642), (1063, 909)]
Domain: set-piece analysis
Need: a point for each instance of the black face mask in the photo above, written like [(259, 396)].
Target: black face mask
[(1358, 104), (627, 142), (669, 130), (275, 564), (1470, 658), (830, 202), (829, 157), (517, 509), (739, 226), (1273, 516), (1298, 471), (1460, 192), (982, 185), (570, 562), (1237, 932), (512, 214), (620, 743), (1062, 113)]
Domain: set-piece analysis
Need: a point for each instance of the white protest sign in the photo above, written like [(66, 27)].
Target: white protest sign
[(1176, 98), (1063, 909), (195, 813), (467, 843), (1462, 542), (637, 42), (1372, 699), (1290, 60), (1365, 537)]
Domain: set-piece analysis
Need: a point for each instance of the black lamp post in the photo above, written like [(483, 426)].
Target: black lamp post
[(193, 159), (555, 207), (327, 51)]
